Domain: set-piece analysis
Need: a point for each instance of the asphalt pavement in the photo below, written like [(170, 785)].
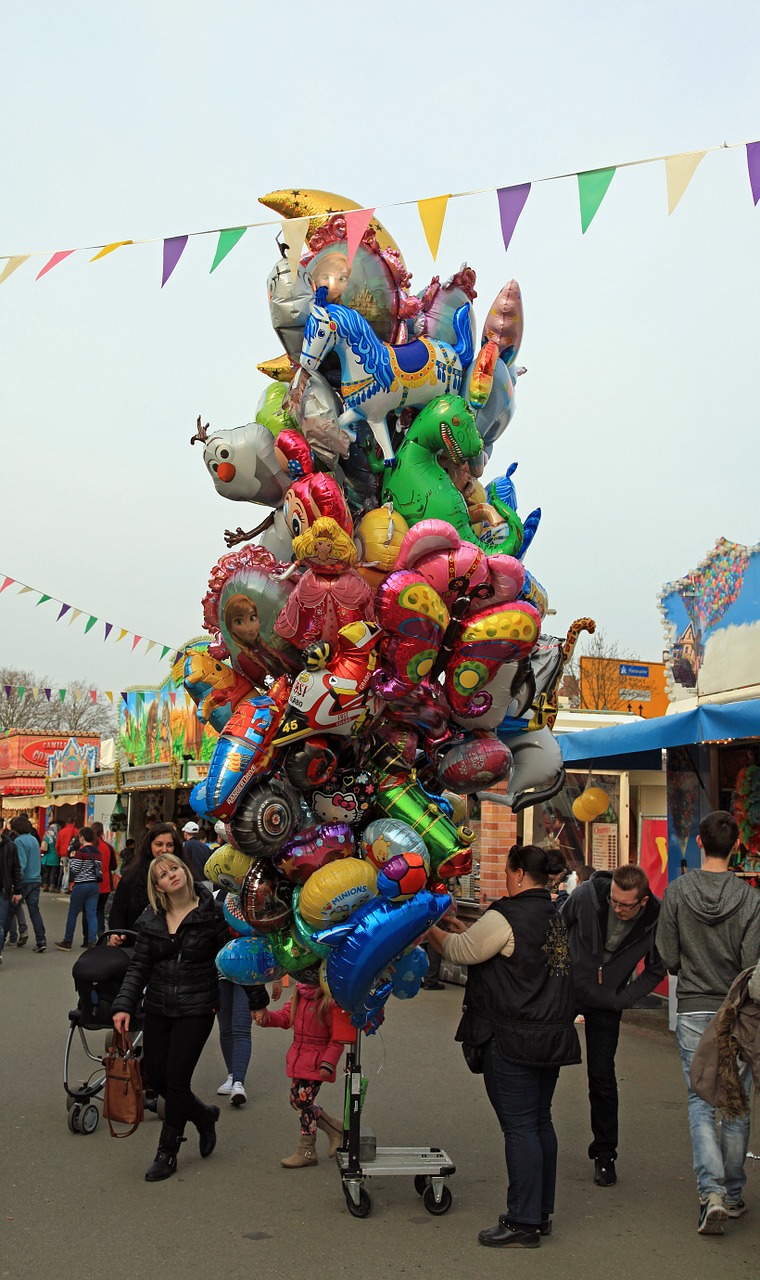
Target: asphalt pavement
[(77, 1205)]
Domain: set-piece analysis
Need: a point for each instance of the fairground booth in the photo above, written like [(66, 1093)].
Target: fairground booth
[(25, 759)]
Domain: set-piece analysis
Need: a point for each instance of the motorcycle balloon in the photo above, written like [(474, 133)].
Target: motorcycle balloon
[(265, 817)]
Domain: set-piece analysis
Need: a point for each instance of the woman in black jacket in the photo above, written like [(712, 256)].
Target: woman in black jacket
[(178, 940), (519, 1009), (131, 894)]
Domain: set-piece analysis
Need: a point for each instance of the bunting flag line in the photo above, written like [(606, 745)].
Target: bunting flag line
[(75, 614), (22, 691), (593, 185)]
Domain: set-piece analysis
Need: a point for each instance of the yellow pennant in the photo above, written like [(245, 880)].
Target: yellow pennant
[(109, 695), (109, 248), (150, 645), (13, 264), (432, 213), (121, 634), (679, 171), (75, 613), (294, 233)]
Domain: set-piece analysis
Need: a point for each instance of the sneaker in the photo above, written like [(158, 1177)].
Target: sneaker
[(39, 947), (712, 1215), (225, 1089), (435, 985), (604, 1171), (238, 1095), (11, 942), (735, 1208), (63, 946), (23, 939)]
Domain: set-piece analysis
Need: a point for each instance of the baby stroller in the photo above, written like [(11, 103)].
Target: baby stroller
[(98, 975)]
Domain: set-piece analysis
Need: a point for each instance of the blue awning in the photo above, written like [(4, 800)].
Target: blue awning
[(728, 720)]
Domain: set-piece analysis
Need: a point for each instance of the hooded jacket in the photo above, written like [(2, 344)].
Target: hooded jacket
[(709, 930), (315, 1041), (600, 984), (10, 867), (179, 969)]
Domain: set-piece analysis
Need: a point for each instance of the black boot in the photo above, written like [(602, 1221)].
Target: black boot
[(205, 1123), (165, 1163)]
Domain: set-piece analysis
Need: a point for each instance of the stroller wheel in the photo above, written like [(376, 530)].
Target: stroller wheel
[(88, 1119), (73, 1119)]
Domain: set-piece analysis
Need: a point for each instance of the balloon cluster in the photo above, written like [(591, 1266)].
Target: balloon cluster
[(590, 804), (379, 646), (711, 590)]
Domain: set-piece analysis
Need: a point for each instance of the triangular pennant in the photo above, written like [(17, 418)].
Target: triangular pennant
[(62, 694), (121, 635), (8, 583), (94, 694), (21, 690), (150, 645), (77, 695), (294, 232), (174, 247), (164, 652), (108, 629), (42, 599), (48, 694), (109, 248), (136, 640), (23, 590), (90, 623), (126, 699), (432, 213), (511, 204), (357, 221), (109, 695), (35, 692), (64, 609), (679, 171), (75, 613), (227, 241), (8, 690), (173, 697), (53, 262), (13, 264), (753, 168), (592, 188)]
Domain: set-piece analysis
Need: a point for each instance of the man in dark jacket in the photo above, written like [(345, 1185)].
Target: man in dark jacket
[(611, 922), (10, 881)]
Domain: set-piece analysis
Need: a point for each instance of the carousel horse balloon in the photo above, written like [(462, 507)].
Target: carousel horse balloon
[(377, 378)]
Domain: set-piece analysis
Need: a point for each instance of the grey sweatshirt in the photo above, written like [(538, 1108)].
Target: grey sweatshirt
[(708, 931)]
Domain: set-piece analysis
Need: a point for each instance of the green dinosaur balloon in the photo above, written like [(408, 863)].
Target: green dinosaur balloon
[(420, 489)]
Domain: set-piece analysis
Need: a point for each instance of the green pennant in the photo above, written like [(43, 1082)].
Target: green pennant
[(62, 694), (592, 188), (21, 691), (164, 652), (90, 624), (227, 241), (42, 599)]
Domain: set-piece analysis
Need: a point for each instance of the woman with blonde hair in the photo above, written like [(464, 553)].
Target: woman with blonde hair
[(180, 933)]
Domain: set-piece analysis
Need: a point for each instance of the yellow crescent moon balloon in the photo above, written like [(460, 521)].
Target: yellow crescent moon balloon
[(281, 368), (319, 205)]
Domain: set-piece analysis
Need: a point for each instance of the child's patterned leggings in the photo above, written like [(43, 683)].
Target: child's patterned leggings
[(302, 1096)]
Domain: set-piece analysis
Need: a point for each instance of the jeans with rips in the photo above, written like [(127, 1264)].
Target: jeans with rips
[(719, 1144)]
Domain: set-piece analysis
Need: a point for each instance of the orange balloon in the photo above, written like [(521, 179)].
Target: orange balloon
[(581, 812), (596, 797)]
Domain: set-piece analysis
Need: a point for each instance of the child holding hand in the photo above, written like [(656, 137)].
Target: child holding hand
[(311, 1059)]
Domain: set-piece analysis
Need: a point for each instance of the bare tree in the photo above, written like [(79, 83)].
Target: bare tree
[(594, 676), (76, 714)]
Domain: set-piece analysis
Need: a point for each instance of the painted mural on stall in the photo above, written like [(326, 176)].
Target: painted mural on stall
[(156, 725)]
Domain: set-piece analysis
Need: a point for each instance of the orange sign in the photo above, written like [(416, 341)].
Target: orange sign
[(623, 684)]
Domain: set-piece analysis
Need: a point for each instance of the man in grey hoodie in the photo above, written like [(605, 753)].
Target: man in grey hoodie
[(708, 931)]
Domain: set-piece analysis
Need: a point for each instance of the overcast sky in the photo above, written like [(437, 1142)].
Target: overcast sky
[(637, 423)]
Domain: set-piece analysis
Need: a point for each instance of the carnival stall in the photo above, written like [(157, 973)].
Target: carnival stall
[(24, 765)]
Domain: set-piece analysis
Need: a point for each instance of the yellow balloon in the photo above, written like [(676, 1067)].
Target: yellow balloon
[(378, 537), (324, 984), (581, 813), (319, 206), (331, 893), (227, 867), (596, 797)]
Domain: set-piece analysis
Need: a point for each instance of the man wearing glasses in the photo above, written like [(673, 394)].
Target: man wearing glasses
[(611, 922)]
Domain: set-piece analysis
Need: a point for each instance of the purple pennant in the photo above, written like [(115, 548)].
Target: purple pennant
[(48, 693), (8, 688), (174, 247), (511, 204), (109, 629), (753, 164), (64, 609), (126, 699)]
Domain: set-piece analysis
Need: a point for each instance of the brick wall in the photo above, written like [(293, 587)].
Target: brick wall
[(498, 832)]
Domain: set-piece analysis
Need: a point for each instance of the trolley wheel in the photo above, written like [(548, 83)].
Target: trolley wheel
[(89, 1119), (73, 1119), (443, 1205), (364, 1208)]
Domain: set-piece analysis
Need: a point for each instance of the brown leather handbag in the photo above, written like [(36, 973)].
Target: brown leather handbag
[(123, 1093)]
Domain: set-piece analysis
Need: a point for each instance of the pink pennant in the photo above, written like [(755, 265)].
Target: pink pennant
[(8, 582), (56, 258), (174, 247), (94, 694), (135, 642), (357, 221)]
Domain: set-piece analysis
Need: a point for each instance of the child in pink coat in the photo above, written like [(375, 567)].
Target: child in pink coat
[(312, 1058)]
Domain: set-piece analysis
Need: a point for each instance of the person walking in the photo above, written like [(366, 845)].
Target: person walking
[(131, 894), (518, 1010), (10, 881), (51, 863), (311, 1060), (84, 872), (611, 921), (66, 837), (28, 849), (708, 932), (179, 936), (108, 865)]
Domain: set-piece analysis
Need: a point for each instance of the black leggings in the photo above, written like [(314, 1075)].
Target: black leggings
[(172, 1047)]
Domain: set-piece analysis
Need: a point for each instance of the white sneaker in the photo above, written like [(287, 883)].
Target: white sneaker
[(225, 1089), (239, 1096)]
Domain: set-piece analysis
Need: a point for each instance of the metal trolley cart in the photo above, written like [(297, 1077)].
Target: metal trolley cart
[(429, 1166)]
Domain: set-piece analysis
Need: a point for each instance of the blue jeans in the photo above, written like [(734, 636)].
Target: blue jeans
[(84, 897), (31, 894), (718, 1156), (234, 1029), (6, 915), (522, 1099)]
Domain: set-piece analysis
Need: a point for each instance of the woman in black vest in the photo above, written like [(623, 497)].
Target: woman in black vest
[(519, 1009)]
